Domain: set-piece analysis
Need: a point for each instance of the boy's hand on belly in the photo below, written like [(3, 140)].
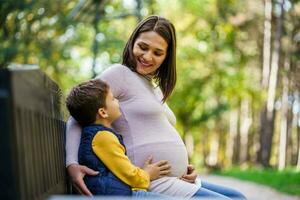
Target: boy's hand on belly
[(158, 169), (190, 175)]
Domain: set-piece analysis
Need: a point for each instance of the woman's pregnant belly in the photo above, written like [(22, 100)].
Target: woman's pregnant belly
[(147, 131), (175, 153)]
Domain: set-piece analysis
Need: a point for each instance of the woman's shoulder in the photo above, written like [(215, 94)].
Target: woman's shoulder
[(116, 77), (117, 68), (115, 71)]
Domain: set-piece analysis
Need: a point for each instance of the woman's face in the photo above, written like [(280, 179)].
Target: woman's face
[(149, 51)]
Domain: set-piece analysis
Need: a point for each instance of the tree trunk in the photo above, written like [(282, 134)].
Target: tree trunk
[(233, 131), (246, 120), (291, 139), (262, 153), (189, 143), (265, 140), (284, 117), (294, 136), (267, 43), (213, 151), (253, 142), (275, 64), (204, 144), (267, 121), (298, 133), (296, 130)]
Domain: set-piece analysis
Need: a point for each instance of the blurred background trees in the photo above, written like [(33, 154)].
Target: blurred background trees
[(237, 98)]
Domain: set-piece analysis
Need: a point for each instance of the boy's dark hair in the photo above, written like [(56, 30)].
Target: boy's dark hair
[(85, 99)]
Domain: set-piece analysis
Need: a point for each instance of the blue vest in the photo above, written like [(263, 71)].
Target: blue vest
[(105, 183)]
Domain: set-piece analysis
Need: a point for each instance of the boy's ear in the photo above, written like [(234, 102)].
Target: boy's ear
[(102, 112)]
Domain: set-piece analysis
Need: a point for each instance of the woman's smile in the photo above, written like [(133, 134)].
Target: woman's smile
[(144, 63), (150, 51)]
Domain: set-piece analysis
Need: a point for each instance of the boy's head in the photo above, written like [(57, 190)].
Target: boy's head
[(90, 100)]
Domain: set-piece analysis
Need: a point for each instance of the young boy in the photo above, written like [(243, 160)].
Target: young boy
[(93, 106)]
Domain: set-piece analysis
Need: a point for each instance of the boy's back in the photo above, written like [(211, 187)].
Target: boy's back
[(106, 183)]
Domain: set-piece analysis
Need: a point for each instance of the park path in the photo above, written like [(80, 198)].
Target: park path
[(251, 190)]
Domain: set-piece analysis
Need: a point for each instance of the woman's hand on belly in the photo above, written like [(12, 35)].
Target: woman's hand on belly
[(190, 175)]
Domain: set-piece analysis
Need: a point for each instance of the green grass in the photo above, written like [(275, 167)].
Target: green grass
[(287, 181)]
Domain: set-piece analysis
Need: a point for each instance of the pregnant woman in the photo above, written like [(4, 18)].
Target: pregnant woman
[(142, 84)]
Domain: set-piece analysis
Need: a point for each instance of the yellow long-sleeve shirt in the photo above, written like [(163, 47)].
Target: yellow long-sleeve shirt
[(109, 150)]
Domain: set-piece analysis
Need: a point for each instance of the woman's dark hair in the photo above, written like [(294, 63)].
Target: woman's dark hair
[(85, 99), (166, 73)]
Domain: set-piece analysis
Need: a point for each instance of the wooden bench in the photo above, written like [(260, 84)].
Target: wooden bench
[(32, 135), (32, 162)]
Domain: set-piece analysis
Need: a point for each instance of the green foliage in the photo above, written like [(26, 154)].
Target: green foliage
[(36, 32), (219, 47), (44, 33), (287, 181), (212, 65)]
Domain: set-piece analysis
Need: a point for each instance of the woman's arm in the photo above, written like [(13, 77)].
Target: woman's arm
[(76, 171), (191, 174), (73, 135)]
